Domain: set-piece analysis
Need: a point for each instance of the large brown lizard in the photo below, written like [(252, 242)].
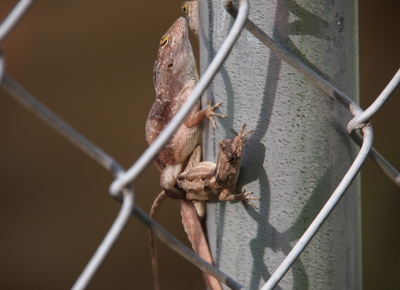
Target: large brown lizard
[(175, 76)]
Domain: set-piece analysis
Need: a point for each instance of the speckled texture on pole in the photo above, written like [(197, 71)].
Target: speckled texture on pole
[(299, 150)]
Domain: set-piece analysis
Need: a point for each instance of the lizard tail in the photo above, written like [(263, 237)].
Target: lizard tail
[(196, 234), (162, 196)]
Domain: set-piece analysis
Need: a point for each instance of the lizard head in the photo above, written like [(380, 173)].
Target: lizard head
[(230, 157), (191, 11), (175, 60)]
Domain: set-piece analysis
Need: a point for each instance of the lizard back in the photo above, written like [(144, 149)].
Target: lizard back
[(175, 76)]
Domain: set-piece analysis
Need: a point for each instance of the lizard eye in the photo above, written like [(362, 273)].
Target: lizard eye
[(184, 8), (232, 159), (164, 42)]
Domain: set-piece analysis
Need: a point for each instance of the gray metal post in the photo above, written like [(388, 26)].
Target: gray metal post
[(299, 150)]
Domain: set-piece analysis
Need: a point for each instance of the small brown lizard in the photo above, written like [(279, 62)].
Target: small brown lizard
[(191, 11), (175, 76), (207, 180)]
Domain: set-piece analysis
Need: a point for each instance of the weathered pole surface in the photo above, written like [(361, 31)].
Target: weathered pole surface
[(299, 150)]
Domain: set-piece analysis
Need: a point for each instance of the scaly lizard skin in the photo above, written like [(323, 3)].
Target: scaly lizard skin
[(191, 11), (207, 180), (175, 76)]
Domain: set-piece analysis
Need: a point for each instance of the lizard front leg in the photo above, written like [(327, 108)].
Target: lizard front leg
[(208, 112)]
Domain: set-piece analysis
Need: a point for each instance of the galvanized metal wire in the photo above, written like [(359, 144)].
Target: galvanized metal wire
[(123, 190), (14, 17)]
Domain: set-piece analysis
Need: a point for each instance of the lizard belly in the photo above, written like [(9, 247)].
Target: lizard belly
[(180, 146), (182, 142)]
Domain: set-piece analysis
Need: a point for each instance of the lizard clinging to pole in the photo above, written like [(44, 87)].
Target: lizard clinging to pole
[(175, 66), (206, 180), (175, 76)]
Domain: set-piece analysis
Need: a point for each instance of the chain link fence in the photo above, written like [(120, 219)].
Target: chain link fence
[(121, 187)]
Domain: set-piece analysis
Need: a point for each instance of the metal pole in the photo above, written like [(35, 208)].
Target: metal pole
[(300, 149)]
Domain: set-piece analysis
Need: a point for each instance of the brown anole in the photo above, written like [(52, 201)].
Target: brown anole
[(191, 11), (207, 180), (175, 76)]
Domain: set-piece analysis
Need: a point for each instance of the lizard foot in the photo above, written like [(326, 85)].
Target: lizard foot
[(241, 135), (245, 199), (210, 113)]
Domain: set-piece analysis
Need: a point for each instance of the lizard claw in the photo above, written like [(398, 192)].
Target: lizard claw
[(245, 199), (241, 134), (210, 113)]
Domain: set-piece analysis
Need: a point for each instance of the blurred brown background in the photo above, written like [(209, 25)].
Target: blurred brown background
[(91, 62)]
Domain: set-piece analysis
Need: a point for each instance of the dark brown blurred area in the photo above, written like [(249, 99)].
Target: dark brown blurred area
[(91, 63)]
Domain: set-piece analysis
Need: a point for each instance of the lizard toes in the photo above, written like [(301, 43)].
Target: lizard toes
[(213, 121), (246, 193), (252, 204), (218, 115), (252, 198), (214, 107), (249, 197), (210, 113), (246, 199), (247, 202)]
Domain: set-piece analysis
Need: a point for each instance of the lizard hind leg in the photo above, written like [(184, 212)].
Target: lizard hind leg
[(168, 181), (195, 159)]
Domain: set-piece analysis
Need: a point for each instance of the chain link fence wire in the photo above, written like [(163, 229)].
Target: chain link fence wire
[(122, 188)]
